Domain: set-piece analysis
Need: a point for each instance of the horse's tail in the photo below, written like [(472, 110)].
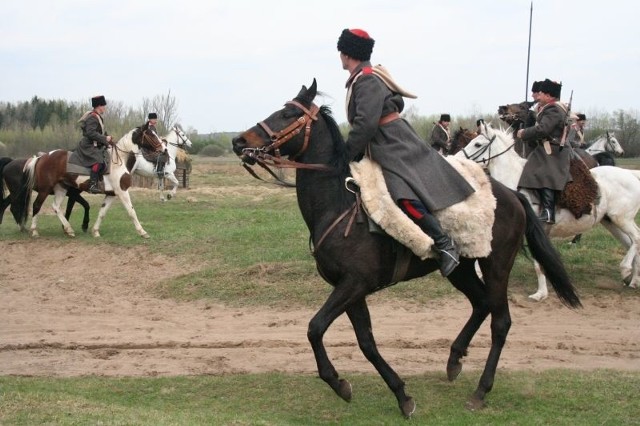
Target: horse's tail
[(22, 201), (3, 162), (548, 257)]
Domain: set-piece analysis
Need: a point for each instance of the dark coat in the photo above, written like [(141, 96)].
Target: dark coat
[(411, 168), (440, 139), (92, 148), (542, 170)]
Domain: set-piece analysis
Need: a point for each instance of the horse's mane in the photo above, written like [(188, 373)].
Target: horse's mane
[(340, 161)]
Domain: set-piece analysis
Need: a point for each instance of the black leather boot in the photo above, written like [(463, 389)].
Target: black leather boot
[(548, 203), (94, 177), (449, 257)]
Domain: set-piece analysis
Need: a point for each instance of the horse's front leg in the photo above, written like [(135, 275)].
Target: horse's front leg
[(335, 305), (125, 198), (360, 318), (543, 291), (174, 188)]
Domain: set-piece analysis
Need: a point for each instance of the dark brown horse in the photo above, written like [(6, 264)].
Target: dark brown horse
[(460, 139), (363, 262), (17, 194)]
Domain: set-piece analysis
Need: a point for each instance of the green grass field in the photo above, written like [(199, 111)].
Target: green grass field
[(234, 226)]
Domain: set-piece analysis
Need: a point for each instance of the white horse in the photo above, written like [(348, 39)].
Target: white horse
[(175, 139), (602, 148), (616, 209)]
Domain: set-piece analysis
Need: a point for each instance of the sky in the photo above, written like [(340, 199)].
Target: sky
[(231, 63)]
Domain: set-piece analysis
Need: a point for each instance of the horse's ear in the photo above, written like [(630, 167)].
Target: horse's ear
[(529, 104)]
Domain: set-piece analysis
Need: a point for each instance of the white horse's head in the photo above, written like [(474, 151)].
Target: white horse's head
[(609, 143), (177, 137)]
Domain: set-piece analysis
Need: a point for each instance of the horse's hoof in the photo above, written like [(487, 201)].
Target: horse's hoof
[(169, 196), (628, 280), (454, 372), (344, 390), (96, 234), (408, 407), (474, 403), (145, 236), (538, 297), (34, 234)]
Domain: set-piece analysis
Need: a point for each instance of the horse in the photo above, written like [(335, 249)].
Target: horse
[(520, 115), (11, 173), (604, 148), (357, 262), (136, 163), (48, 174), (460, 139), (615, 209)]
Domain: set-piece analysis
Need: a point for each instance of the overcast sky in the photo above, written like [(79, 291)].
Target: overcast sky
[(230, 63)]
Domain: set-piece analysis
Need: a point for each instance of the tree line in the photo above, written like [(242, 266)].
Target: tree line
[(38, 125)]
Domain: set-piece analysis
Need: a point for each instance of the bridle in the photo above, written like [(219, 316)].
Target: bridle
[(269, 155), (486, 148), (181, 136)]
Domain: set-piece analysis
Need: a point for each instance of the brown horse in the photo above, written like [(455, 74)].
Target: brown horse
[(460, 139), (48, 174), (357, 262), (12, 178)]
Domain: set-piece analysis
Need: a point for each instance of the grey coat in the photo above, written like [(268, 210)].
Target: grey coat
[(542, 170), (439, 139), (411, 168), (92, 148)]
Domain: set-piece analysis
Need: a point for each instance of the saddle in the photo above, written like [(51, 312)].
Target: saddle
[(469, 222), (579, 196), (75, 166)]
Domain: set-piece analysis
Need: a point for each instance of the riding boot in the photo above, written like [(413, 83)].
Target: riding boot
[(94, 178), (162, 160), (449, 257), (548, 202)]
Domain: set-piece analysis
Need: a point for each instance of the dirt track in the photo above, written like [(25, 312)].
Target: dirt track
[(57, 318)]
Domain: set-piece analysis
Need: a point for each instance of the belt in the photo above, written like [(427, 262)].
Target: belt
[(389, 118)]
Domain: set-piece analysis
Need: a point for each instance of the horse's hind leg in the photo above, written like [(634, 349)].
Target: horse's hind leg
[(175, 184), (475, 291), (358, 313)]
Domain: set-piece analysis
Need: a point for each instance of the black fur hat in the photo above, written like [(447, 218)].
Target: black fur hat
[(551, 88), (97, 101), (356, 44), (152, 116), (445, 117), (581, 117), (535, 87)]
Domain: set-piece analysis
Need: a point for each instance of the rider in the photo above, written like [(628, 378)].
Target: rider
[(440, 137), (152, 142), (576, 132), (418, 178), (547, 167), (92, 148)]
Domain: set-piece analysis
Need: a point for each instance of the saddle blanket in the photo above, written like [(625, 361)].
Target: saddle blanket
[(74, 166), (469, 223)]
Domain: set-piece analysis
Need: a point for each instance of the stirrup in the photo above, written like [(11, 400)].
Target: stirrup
[(449, 260), (545, 217)]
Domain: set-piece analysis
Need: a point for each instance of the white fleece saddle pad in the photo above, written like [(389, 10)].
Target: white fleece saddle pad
[(469, 223)]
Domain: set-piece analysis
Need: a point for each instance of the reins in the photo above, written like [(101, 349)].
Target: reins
[(480, 152)]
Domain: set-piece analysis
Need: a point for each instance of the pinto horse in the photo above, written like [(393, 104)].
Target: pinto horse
[(48, 174), (615, 208), (362, 262), (11, 176)]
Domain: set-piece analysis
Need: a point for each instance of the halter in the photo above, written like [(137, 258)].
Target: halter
[(183, 140)]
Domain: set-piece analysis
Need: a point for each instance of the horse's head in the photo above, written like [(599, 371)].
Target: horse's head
[(515, 114), (181, 138), (460, 139), (489, 144), (285, 132), (613, 145)]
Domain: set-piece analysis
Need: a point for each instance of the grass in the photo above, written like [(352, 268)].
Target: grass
[(551, 397), (251, 246)]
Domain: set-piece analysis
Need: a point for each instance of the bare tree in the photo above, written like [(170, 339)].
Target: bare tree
[(166, 106)]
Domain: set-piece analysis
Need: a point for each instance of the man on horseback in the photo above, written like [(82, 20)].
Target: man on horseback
[(440, 137), (92, 148), (576, 132), (419, 179), (547, 167), (151, 141)]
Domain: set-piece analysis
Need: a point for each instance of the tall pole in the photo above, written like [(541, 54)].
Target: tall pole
[(526, 87)]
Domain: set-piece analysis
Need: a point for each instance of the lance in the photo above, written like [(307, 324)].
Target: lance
[(526, 85)]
